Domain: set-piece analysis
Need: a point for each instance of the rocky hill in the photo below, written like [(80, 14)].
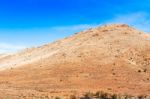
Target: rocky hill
[(112, 58)]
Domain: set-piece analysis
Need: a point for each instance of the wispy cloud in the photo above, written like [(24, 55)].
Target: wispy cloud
[(66, 30), (5, 48), (140, 20), (75, 27), (44, 35)]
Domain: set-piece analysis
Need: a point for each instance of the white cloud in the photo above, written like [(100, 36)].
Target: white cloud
[(140, 20), (5, 48)]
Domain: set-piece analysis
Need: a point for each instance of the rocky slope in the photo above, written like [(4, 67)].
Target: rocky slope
[(113, 58)]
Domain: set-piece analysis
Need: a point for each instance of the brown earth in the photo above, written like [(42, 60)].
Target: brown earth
[(112, 58)]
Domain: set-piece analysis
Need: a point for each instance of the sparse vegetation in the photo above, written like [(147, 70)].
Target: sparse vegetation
[(105, 95)]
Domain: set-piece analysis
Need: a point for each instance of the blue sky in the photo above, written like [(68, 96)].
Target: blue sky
[(27, 23)]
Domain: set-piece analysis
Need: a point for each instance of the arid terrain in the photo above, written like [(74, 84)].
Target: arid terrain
[(112, 58)]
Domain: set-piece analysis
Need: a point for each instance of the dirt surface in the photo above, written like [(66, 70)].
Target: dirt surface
[(112, 58)]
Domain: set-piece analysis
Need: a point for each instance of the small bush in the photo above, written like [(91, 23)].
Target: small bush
[(57, 97), (114, 96), (94, 35), (72, 97), (139, 71), (88, 95)]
